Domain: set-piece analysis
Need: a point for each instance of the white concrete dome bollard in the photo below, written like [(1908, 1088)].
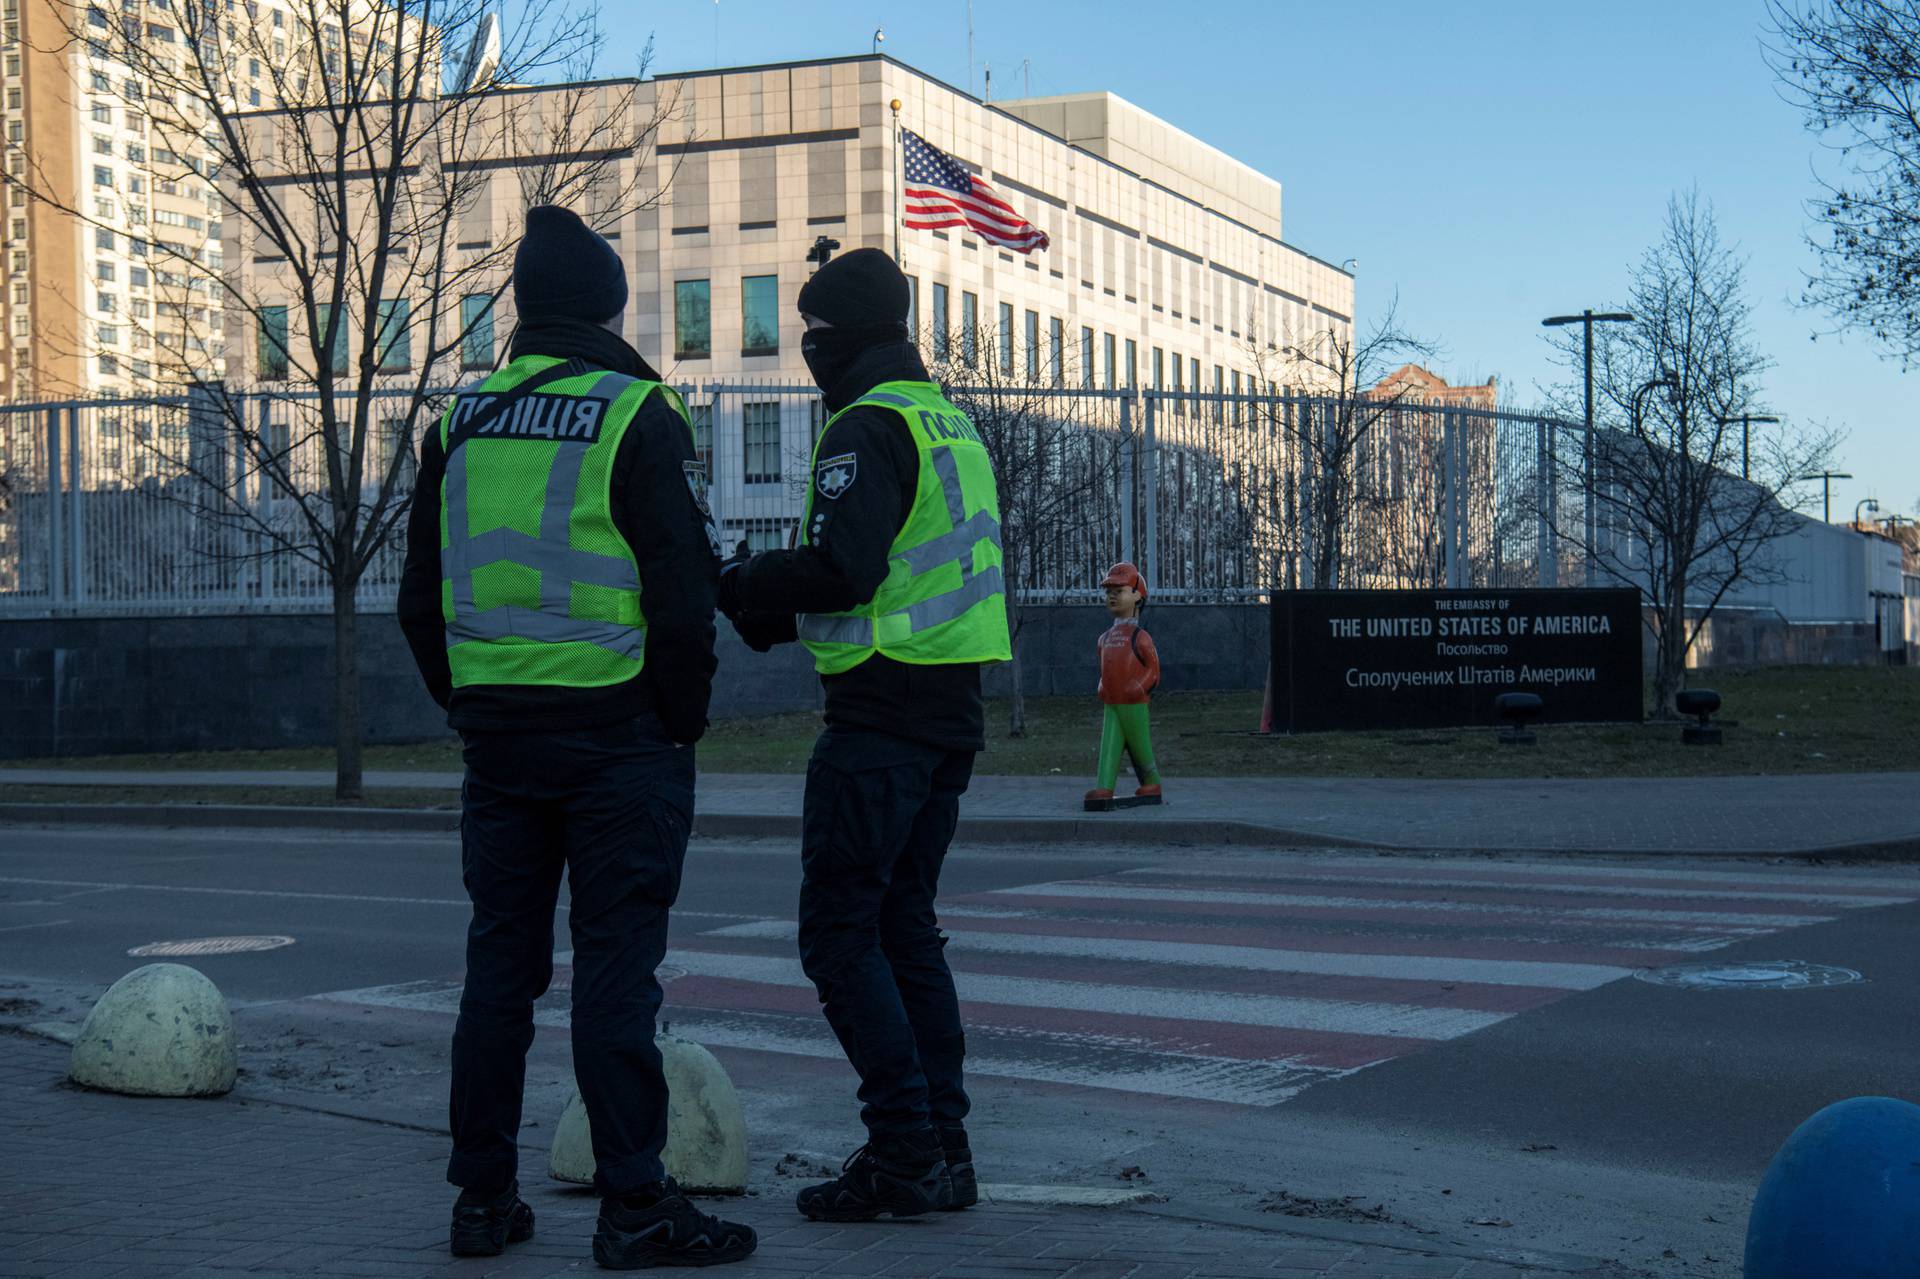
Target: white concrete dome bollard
[(161, 1031), (706, 1129)]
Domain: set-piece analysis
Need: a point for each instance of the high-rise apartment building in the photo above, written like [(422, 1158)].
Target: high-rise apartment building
[(113, 248), (113, 218)]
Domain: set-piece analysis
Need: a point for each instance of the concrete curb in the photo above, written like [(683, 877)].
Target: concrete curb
[(989, 830), (980, 830)]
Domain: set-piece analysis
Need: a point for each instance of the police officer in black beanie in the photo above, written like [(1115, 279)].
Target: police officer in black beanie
[(566, 625), (884, 784)]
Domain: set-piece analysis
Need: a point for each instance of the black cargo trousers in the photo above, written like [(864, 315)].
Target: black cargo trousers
[(612, 807), (878, 815)]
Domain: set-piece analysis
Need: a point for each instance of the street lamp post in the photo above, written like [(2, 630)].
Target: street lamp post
[(1826, 479), (1586, 320), (1870, 503), (1746, 421)]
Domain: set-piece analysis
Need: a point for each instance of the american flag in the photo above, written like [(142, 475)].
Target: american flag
[(941, 193)]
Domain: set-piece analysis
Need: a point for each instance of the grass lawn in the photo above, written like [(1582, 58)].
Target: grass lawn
[(1779, 720)]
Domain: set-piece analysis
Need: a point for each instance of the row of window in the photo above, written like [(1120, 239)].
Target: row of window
[(759, 317), (395, 350)]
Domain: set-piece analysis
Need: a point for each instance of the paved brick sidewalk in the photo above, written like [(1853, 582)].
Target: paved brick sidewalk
[(100, 1186), (1764, 815)]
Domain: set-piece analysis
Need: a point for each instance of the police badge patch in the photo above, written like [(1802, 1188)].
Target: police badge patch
[(696, 473), (833, 476)]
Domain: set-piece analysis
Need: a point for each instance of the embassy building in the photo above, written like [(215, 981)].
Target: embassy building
[(1166, 264)]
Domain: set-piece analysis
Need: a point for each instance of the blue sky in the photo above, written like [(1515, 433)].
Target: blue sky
[(1492, 162)]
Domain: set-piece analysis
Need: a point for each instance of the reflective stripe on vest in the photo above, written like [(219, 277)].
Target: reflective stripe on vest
[(550, 553), (955, 547), (862, 629)]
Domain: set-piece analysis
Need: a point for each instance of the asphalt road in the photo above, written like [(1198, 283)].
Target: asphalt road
[(1451, 1039)]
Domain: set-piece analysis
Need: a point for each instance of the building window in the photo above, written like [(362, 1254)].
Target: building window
[(103, 239), (391, 444), (337, 353), (760, 315), (1033, 346), (102, 176), (109, 335), (103, 271), (396, 339), (760, 429), (108, 364), (1086, 357), (107, 304), (1112, 373), (969, 327), (913, 307), (1133, 365), (271, 352), (1004, 339), (701, 418), (941, 334), (1193, 366), (1056, 351), (476, 327), (692, 320), (137, 277)]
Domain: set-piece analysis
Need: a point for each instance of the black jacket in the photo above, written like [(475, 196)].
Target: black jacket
[(658, 513), (845, 561)]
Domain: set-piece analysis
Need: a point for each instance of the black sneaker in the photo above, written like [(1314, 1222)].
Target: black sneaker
[(659, 1227), (899, 1176), (966, 1190), (484, 1224)]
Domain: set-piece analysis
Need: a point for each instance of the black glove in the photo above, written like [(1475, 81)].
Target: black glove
[(761, 631), (684, 721), (730, 577)]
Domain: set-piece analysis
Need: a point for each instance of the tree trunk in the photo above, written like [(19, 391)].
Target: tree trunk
[(1017, 715), (1670, 654), (347, 783)]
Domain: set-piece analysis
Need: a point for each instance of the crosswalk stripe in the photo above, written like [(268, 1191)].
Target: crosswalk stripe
[(1394, 1021), (1839, 900), (1396, 967), (1103, 892), (1507, 871)]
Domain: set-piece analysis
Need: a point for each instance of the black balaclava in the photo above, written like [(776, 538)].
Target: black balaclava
[(865, 298), (829, 353)]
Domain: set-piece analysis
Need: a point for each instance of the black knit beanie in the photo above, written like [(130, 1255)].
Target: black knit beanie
[(566, 270), (861, 289)]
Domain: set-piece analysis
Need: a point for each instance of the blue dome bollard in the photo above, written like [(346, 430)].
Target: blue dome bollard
[(1842, 1198)]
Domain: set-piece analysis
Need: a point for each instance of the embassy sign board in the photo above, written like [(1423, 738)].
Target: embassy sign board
[(1430, 659)]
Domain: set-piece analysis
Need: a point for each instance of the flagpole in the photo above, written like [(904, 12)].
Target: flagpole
[(898, 182)]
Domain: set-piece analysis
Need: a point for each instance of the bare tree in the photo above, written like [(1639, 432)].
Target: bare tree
[(1334, 426), (1853, 67), (1057, 462), (1671, 513), (357, 146)]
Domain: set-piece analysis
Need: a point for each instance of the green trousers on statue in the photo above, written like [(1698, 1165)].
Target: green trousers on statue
[(1125, 728)]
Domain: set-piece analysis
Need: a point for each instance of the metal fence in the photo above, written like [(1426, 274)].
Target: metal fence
[(153, 506)]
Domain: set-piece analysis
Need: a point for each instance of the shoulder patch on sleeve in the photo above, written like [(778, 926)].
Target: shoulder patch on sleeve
[(833, 476), (696, 474)]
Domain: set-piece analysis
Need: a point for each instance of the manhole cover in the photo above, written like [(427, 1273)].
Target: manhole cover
[(1765, 974), (209, 946)]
